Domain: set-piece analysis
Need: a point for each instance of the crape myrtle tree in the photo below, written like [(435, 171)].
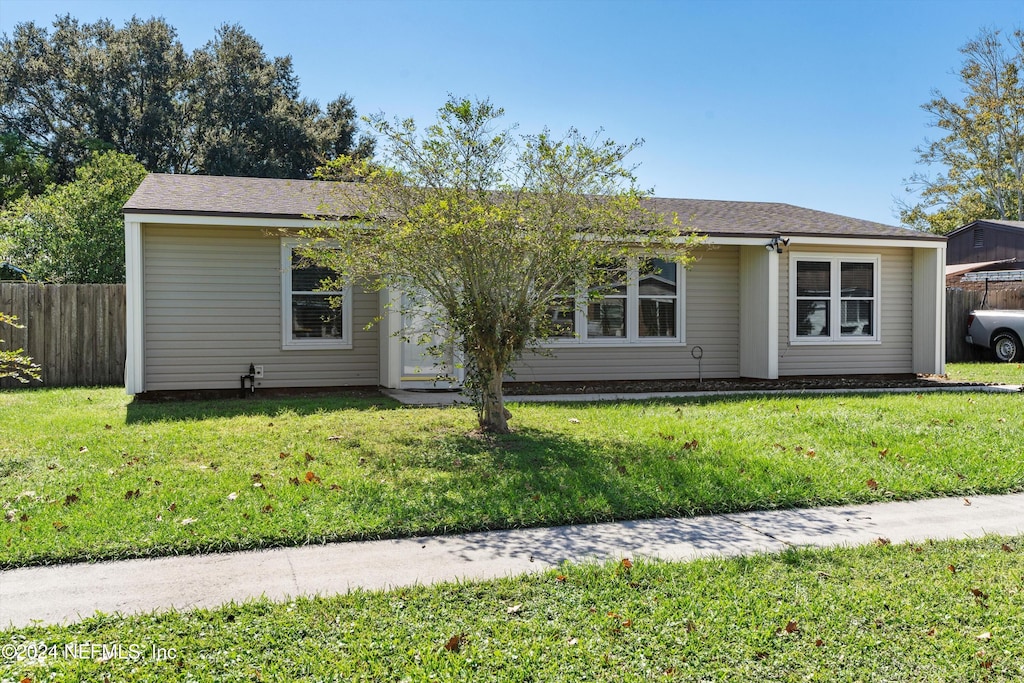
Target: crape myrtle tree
[(981, 150), (489, 231)]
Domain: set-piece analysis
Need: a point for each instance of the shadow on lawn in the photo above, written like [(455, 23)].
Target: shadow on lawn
[(189, 410), (546, 478), (171, 411)]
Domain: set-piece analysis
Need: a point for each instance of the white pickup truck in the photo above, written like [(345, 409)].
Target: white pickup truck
[(1000, 331)]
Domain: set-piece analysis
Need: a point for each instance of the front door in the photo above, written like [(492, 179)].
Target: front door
[(428, 359)]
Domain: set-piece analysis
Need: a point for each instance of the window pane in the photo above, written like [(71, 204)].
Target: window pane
[(314, 318), (308, 278), (657, 317), (813, 278), (613, 279), (857, 318), (562, 317), (606, 318), (857, 279), (658, 278), (812, 318)]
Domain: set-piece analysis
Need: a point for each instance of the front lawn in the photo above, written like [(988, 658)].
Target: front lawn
[(935, 612), (995, 373), (88, 474)]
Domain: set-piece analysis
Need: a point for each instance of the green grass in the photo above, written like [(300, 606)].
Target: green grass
[(997, 373), (935, 612), (87, 474)]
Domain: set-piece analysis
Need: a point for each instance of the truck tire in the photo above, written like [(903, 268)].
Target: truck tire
[(1006, 347)]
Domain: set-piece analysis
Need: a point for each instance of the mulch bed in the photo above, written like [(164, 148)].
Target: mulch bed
[(905, 381), (740, 384)]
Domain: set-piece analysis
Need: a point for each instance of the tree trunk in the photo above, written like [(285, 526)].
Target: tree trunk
[(494, 417)]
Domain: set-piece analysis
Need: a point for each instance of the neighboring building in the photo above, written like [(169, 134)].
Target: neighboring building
[(778, 290), (986, 250)]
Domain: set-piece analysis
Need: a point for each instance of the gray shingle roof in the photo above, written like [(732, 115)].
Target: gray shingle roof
[(273, 198), (199, 195)]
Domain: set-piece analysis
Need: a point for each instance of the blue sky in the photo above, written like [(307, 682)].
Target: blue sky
[(814, 103)]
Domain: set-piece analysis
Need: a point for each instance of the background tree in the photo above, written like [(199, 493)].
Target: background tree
[(22, 171), (489, 231), (226, 109), (74, 232), (87, 87), (982, 149)]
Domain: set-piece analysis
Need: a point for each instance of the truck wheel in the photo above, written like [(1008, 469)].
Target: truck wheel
[(1006, 347)]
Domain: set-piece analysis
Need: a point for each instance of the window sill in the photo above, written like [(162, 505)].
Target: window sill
[(834, 342), (332, 345)]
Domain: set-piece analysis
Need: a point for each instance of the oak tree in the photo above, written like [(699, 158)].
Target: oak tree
[(225, 109), (981, 151)]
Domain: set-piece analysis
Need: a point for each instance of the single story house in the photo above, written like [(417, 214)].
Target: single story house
[(777, 291)]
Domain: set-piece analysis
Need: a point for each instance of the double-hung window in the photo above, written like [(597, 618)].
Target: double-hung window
[(834, 299), (311, 317), (642, 303)]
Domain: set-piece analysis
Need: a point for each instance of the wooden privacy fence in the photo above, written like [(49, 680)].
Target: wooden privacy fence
[(76, 333), (960, 302)]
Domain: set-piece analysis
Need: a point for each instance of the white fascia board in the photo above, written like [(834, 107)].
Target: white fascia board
[(221, 221), (874, 243)]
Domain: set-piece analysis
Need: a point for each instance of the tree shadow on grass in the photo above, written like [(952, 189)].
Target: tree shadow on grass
[(671, 525), (188, 411), (549, 479), (140, 411)]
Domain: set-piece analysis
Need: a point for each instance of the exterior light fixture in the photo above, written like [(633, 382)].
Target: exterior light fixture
[(777, 243)]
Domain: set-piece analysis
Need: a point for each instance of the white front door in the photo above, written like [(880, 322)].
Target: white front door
[(428, 358)]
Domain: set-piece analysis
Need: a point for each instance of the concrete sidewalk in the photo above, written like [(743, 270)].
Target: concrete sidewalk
[(67, 593)]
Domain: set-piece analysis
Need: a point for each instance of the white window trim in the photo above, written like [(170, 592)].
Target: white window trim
[(632, 337), (835, 297), (288, 244)]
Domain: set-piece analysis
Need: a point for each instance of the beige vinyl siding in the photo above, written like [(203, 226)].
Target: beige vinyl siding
[(212, 305), (895, 352), (711, 320)]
